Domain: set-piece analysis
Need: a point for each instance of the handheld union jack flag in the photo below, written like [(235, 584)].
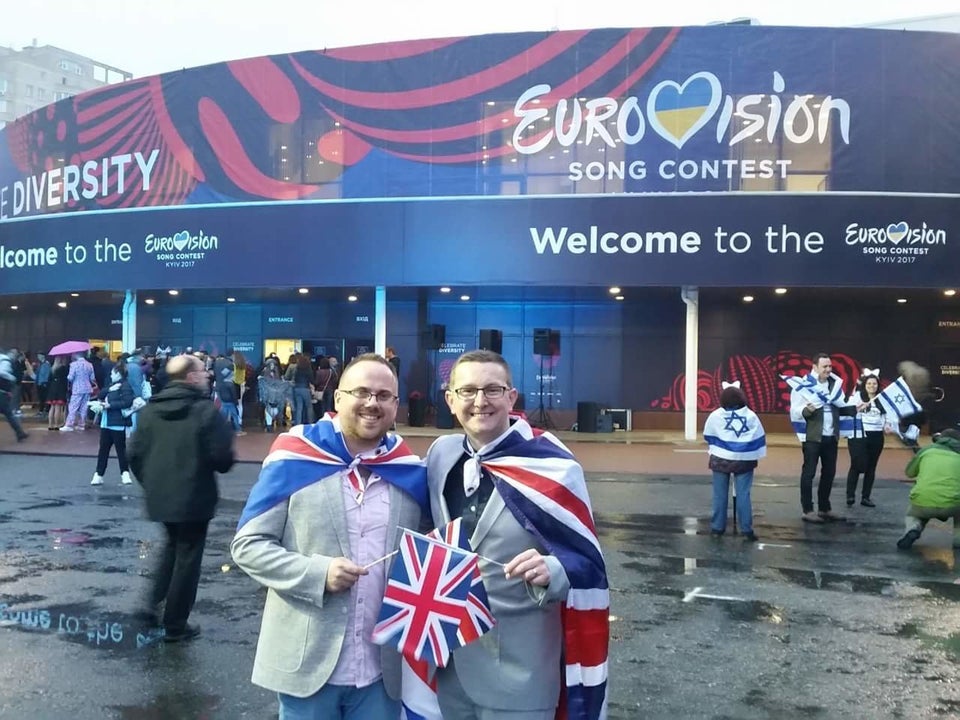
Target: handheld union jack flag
[(477, 618), (425, 599)]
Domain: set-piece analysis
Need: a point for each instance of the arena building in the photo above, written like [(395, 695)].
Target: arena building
[(598, 204)]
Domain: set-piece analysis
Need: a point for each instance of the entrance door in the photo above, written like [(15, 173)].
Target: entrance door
[(111, 348), (315, 347), (283, 347)]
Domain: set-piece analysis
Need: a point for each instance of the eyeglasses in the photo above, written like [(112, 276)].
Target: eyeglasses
[(490, 392), (363, 394)]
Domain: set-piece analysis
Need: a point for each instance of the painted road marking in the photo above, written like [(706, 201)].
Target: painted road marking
[(697, 592)]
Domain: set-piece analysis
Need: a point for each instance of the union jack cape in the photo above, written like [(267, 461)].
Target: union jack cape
[(542, 484), (310, 453)]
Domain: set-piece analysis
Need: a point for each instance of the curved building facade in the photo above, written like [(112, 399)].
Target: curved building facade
[(528, 173)]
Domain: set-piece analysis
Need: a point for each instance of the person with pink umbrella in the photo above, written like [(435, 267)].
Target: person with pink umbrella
[(82, 382)]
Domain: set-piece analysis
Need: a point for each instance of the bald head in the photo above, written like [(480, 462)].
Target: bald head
[(185, 368)]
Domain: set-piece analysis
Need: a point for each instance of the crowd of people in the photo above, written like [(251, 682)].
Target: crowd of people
[(821, 414)]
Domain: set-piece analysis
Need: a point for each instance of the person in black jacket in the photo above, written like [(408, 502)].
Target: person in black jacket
[(115, 397), (180, 443)]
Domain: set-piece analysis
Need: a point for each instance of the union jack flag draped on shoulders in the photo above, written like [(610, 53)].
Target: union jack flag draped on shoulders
[(543, 486), (425, 599), (309, 453)]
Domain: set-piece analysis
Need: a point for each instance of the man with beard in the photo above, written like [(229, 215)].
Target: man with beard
[(316, 527)]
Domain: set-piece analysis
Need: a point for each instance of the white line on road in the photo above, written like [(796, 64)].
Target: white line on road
[(761, 546), (697, 592)]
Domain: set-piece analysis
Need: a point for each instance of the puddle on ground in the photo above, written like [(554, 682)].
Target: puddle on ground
[(171, 705), (47, 504), (83, 624)]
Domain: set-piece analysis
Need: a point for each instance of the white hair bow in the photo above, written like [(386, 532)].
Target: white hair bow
[(868, 371), (735, 384)]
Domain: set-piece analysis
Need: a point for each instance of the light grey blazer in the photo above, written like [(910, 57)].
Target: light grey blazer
[(288, 549), (515, 666)]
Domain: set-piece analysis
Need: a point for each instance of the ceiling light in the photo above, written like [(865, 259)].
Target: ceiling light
[(444, 289), (949, 293), (491, 103), (61, 304), (902, 301), (614, 290), (231, 299), (173, 292), (74, 294), (780, 291), (303, 291), (619, 297), (149, 301), (464, 297), (14, 307), (748, 298), (352, 298)]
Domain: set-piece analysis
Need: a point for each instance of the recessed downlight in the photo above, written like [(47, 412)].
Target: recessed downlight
[(174, 292), (748, 298), (149, 301)]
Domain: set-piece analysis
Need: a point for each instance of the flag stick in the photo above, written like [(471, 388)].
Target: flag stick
[(452, 547), (380, 560)]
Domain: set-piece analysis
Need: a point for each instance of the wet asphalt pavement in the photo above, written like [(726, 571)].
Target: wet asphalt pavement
[(812, 622)]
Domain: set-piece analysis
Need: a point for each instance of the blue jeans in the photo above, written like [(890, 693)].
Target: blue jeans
[(302, 406), (341, 702), (721, 490), (231, 413)]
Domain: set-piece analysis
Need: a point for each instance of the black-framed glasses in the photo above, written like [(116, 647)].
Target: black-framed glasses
[(490, 392), (364, 394)]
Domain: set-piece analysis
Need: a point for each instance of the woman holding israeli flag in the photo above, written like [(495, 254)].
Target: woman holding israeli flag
[(866, 441), (736, 441)]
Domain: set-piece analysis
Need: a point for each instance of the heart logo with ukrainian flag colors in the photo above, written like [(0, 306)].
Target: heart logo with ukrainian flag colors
[(181, 239), (897, 232), (676, 112)]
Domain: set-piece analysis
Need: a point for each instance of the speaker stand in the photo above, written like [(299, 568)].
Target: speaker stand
[(541, 418)]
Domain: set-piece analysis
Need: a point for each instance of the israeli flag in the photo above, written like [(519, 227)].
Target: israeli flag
[(806, 386), (899, 399)]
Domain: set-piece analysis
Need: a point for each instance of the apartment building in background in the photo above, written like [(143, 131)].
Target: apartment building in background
[(36, 76)]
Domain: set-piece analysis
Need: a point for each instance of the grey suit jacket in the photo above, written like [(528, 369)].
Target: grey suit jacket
[(516, 665), (289, 549)]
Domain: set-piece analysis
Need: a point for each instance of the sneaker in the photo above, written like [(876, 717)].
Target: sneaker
[(22, 437), (66, 428), (125, 478), (187, 632), (907, 541), (831, 516), (812, 517), (867, 502), (241, 433), (750, 537), (851, 501), (97, 479)]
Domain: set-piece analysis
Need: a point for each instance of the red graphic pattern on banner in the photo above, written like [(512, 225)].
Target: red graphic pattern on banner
[(759, 379)]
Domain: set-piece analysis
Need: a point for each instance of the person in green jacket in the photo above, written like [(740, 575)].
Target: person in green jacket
[(937, 492)]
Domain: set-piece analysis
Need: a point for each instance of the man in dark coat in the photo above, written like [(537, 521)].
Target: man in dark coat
[(180, 443)]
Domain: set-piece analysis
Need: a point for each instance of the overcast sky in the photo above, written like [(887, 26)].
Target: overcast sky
[(152, 36)]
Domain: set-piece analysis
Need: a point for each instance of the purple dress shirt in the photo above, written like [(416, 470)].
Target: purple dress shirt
[(359, 662)]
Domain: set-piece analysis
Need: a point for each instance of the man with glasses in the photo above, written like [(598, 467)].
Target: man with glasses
[(523, 502), (315, 531)]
